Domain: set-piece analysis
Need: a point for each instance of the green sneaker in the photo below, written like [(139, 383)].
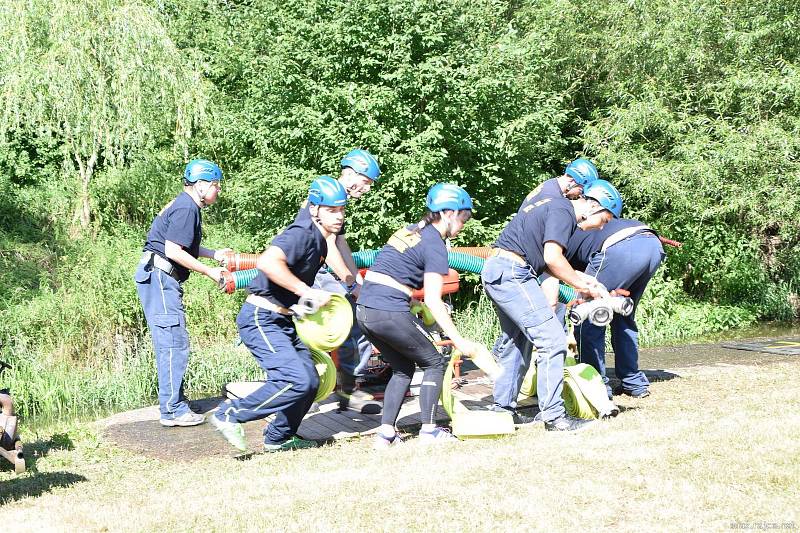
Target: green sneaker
[(294, 443), (232, 431)]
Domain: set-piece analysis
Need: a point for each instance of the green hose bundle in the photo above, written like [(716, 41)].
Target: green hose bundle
[(327, 374), (471, 424), (328, 328), (584, 392)]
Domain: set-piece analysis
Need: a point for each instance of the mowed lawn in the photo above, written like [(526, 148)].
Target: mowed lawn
[(716, 449)]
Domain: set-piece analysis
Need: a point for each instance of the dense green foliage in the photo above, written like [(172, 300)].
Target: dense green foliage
[(692, 109)]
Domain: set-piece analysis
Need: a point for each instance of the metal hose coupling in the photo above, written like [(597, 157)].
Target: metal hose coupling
[(600, 311)]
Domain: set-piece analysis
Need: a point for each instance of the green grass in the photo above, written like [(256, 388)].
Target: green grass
[(714, 447)]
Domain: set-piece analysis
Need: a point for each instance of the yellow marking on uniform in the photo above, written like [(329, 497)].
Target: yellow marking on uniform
[(403, 239), (533, 193)]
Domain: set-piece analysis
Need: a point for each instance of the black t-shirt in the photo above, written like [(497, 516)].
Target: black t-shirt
[(548, 219), (407, 256), (584, 244), (179, 222), (305, 214), (305, 249)]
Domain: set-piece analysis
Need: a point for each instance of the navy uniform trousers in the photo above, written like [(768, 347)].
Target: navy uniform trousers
[(162, 301), (292, 378), (628, 264)]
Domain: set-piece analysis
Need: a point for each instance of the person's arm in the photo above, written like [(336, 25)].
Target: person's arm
[(216, 255), (432, 284), (175, 252), (550, 290), (558, 265), (273, 263)]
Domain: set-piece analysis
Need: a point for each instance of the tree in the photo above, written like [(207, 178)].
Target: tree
[(103, 78)]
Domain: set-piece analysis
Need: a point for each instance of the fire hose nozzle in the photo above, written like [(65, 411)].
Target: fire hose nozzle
[(600, 311), (622, 305)]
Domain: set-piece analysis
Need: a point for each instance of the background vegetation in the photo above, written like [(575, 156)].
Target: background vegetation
[(691, 109)]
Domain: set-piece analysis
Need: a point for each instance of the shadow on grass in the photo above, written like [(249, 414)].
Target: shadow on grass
[(35, 484), (41, 448)]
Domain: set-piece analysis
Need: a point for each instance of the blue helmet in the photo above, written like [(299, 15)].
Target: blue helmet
[(607, 195), (327, 191), (362, 162), (582, 171), (447, 196), (201, 170)]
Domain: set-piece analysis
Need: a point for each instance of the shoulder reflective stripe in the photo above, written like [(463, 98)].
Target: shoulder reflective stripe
[(621, 235)]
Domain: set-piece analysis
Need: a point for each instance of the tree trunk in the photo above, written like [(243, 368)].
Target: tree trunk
[(83, 211)]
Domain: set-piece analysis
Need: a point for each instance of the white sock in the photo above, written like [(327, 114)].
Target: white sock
[(427, 428), (387, 431)]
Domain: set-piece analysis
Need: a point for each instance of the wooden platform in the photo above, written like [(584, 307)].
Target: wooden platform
[(783, 346), (139, 431)]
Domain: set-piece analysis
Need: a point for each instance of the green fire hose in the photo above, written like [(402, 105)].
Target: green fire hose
[(584, 392), (328, 328), (471, 424), (327, 373)]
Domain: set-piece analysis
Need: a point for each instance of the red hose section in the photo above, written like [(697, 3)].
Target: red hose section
[(234, 261), (670, 242), (477, 251)]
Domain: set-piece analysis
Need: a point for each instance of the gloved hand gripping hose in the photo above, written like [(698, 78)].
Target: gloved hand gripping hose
[(328, 327)]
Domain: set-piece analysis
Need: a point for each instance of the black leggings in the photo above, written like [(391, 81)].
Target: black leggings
[(403, 342)]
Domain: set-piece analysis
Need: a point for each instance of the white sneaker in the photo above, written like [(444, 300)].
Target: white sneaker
[(186, 419), (437, 436), (382, 442)]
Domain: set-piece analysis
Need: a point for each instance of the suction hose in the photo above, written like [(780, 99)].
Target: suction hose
[(235, 261)]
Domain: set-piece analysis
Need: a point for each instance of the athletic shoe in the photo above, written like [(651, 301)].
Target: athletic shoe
[(567, 423), (381, 442), (519, 418), (293, 443), (641, 394), (232, 431), (186, 419), (437, 436), (359, 400)]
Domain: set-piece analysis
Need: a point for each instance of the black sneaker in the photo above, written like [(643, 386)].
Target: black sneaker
[(642, 394), (567, 423), (519, 418)]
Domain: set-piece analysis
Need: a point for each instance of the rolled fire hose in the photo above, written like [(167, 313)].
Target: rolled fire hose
[(584, 392), (328, 327), (327, 373), (322, 362), (585, 395), (471, 424)]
